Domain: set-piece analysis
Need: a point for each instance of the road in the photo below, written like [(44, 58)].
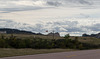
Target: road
[(86, 54)]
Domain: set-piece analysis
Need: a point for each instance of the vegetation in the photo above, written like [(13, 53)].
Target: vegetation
[(16, 45), (38, 43), (41, 43), (20, 52)]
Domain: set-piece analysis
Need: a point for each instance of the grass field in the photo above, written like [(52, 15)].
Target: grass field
[(90, 40), (21, 52), (26, 36), (81, 39)]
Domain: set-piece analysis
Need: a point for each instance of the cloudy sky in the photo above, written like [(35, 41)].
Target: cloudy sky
[(65, 16)]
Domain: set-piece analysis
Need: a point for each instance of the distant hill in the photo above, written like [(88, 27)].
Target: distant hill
[(92, 35), (16, 31)]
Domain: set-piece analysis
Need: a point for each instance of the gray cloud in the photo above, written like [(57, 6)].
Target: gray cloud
[(81, 1), (94, 27), (73, 27), (4, 4), (7, 10), (70, 27), (54, 3), (85, 2)]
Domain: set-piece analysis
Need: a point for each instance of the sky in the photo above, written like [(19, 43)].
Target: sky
[(74, 17)]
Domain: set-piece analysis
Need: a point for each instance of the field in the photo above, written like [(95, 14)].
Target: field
[(21, 52), (90, 40), (26, 36)]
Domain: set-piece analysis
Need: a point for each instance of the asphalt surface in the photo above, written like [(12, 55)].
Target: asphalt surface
[(86, 54)]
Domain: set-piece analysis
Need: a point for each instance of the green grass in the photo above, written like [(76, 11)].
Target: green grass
[(21, 52)]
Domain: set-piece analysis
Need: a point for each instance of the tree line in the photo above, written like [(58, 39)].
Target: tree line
[(40, 43)]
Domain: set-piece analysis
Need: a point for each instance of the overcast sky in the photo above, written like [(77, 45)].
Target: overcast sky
[(65, 16)]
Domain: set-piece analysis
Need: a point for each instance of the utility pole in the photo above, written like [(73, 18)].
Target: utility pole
[(53, 34), (47, 33)]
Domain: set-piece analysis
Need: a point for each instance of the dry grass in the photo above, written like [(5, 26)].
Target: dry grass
[(81, 39), (26, 36), (21, 52), (90, 40)]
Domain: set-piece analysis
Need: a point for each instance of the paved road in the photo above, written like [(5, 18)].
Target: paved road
[(86, 54)]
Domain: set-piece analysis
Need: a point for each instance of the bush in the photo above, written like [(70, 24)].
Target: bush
[(39, 43)]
